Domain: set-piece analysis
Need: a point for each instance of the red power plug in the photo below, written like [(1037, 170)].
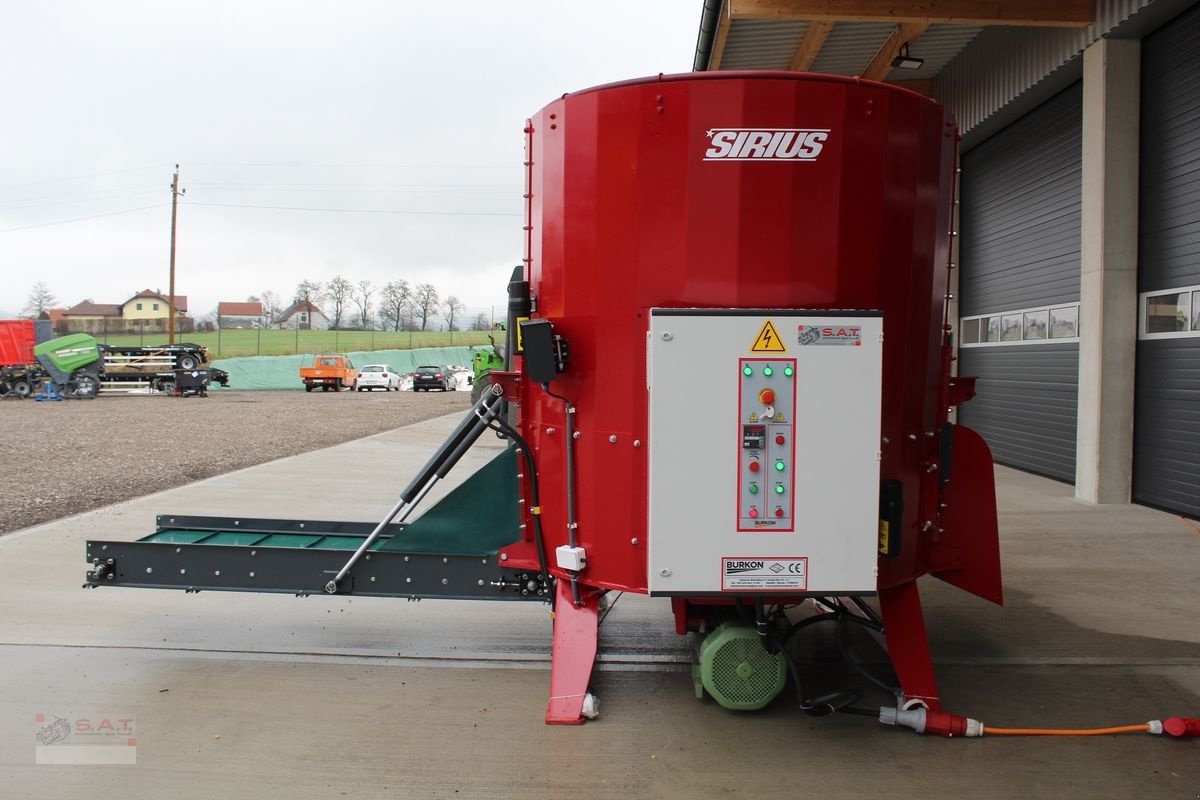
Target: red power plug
[(1181, 726)]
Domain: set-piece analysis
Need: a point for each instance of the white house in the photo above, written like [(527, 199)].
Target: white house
[(305, 316)]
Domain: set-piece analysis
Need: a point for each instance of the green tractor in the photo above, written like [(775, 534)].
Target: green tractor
[(483, 362)]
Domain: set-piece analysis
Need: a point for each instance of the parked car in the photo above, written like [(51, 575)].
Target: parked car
[(379, 376), (434, 377)]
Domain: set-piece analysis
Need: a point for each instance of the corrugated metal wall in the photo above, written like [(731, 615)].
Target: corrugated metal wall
[(1004, 62), (1020, 227), (1169, 224), (1020, 206), (1166, 462), (1166, 444), (1026, 404)]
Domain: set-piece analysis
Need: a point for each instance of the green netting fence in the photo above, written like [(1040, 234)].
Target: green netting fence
[(283, 372)]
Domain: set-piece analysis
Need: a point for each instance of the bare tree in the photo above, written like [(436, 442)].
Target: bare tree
[(339, 291), (362, 299), (425, 299), (481, 323), (307, 295), (270, 306), (39, 302), (453, 309), (396, 303)]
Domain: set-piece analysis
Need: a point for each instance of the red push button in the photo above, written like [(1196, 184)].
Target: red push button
[(779, 512), (753, 511), (779, 439), (767, 397), (753, 466)]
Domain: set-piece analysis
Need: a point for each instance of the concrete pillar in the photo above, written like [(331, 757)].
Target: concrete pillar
[(1108, 271)]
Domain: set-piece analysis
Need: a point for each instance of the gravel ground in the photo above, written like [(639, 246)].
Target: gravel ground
[(63, 458)]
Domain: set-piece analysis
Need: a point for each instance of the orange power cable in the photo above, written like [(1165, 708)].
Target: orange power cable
[(1064, 732)]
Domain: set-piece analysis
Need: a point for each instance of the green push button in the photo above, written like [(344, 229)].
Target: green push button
[(747, 371), (779, 465), (768, 371), (779, 488), (754, 488), (789, 371)]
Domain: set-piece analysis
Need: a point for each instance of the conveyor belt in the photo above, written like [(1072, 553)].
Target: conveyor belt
[(449, 551)]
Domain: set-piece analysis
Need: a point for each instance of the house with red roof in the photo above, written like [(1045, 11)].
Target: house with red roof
[(239, 315)]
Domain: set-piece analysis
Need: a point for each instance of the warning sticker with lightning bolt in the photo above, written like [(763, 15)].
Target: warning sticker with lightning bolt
[(768, 340)]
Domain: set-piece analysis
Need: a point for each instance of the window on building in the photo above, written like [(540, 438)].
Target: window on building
[(968, 331), (139, 306), (1024, 326), (1168, 313), (1064, 322), (156, 306), (1010, 328), (1035, 325)]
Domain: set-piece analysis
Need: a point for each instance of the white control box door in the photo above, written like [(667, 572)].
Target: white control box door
[(764, 451)]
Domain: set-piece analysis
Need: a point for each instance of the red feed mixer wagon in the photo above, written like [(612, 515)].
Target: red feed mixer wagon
[(728, 382), (751, 272)]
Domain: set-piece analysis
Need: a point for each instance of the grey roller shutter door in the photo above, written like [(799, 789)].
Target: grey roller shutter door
[(1166, 463), (1020, 224), (1026, 404)]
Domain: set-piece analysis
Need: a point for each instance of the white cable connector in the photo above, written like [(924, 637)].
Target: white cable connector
[(1155, 727)]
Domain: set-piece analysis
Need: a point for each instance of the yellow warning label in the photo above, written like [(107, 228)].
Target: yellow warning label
[(768, 340), (520, 338), (780, 417), (885, 530), (754, 417)]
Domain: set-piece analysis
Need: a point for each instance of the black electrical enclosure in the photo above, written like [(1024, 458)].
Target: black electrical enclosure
[(537, 336), (520, 304), (891, 517)]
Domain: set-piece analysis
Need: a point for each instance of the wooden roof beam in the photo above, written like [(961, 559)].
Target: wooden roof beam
[(1060, 13), (881, 64), (814, 39)]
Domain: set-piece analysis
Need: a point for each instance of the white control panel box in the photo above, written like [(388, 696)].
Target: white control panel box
[(764, 451)]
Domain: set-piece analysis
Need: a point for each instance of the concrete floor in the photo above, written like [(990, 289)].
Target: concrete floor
[(270, 696)]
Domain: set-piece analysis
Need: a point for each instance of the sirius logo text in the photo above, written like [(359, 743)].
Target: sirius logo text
[(765, 144)]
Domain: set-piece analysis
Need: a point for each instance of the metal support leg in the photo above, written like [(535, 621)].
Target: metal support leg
[(908, 644), (574, 654)]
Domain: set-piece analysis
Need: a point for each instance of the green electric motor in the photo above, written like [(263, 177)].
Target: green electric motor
[(736, 669)]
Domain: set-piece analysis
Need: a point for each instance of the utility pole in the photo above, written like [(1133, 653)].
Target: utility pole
[(175, 193)]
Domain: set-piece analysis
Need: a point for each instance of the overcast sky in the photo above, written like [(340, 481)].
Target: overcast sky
[(354, 104)]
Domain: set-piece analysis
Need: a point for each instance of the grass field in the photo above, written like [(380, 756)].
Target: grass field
[(232, 343)]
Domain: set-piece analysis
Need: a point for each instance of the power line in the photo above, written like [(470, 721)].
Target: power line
[(90, 197), (79, 177), (81, 219), (369, 210)]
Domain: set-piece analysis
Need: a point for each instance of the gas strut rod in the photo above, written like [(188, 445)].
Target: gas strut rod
[(437, 467)]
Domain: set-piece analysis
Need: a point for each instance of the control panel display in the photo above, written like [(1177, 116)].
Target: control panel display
[(767, 457)]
